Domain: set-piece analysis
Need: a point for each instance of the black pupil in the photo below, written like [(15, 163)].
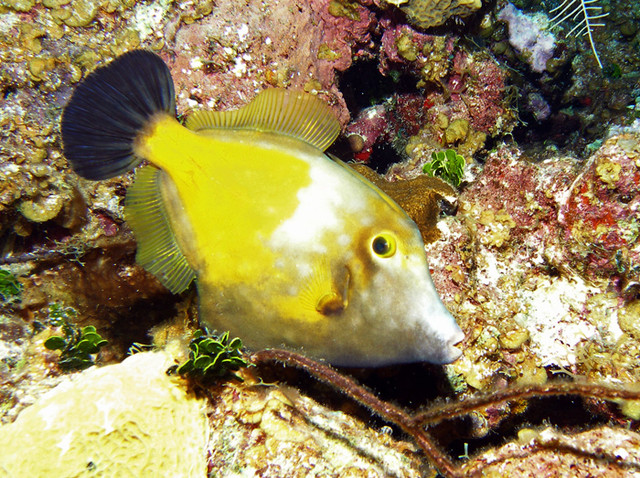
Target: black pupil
[(380, 245)]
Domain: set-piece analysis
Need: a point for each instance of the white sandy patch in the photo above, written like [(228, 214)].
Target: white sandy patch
[(549, 314)]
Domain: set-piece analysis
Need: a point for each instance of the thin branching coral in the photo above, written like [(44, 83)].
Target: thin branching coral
[(585, 13)]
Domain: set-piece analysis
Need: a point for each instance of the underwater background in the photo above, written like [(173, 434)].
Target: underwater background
[(533, 130)]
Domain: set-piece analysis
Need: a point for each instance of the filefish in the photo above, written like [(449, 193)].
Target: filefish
[(288, 247)]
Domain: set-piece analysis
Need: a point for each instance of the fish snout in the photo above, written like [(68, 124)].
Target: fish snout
[(451, 351), (442, 337)]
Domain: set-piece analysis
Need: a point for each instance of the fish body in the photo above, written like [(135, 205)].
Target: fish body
[(288, 247)]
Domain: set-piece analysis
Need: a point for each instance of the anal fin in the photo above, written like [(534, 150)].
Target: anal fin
[(158, 252)]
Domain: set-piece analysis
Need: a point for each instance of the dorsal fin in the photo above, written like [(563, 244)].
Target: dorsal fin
[(292, 113), (158, 251)]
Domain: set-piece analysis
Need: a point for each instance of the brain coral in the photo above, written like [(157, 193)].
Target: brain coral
[(431, 13), (128, 419)]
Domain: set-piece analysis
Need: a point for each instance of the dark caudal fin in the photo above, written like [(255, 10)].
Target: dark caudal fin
[(110, 108)]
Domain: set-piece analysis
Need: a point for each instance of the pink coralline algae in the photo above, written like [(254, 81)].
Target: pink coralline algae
[(601, 216), (514, 204), (370, 127), (458, 85), (512, 207), (401, 46), (540, 263), (554, 215), (399, 115), (222, 62), (479, 95)]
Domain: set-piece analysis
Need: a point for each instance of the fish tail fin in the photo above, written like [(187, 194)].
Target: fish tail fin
[(110, 108)]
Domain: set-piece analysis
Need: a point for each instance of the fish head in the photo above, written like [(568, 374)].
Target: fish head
[(356, 288), (393, 313)]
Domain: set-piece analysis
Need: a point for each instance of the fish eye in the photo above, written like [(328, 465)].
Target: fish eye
[(384, 245)]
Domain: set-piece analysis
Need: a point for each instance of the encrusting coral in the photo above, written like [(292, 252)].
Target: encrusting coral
[(431, 13)]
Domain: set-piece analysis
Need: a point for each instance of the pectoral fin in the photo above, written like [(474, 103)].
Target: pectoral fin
[(324, 292), (331, 303)]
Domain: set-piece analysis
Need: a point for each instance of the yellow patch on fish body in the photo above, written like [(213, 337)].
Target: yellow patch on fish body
[(287, 247), (225, 185)]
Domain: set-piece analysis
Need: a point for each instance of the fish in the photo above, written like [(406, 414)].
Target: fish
[(288, 246)]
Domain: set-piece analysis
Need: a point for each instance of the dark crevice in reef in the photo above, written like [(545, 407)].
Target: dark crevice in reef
[(132, 324), (411, 386), (564, 413), (383, 156), (572, 122), (362, 85), (416, 387)]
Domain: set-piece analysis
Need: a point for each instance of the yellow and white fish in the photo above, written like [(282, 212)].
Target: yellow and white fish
[(288, 247)]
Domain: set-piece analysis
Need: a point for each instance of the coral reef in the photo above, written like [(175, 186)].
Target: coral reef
[(464, 99), (574, 100), (220, 65), (390, 122), (600, 216), (531, 267), (537, 257)]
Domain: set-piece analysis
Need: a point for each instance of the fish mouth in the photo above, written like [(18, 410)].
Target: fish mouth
[(451, 346)]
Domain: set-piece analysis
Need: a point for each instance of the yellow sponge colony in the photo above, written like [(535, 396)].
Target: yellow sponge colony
[(431, 13), (124, 420)]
